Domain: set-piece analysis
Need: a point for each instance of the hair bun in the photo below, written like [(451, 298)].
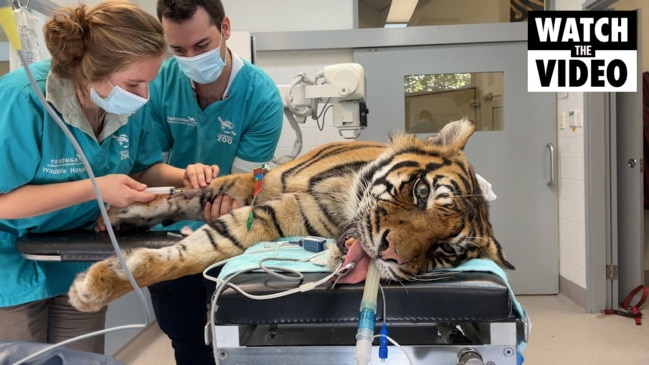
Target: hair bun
[(65, 38)]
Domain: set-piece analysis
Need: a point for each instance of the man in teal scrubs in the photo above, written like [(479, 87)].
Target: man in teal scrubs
[(213, 107)]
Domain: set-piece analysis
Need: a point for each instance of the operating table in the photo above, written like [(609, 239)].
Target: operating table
[(467, 317)]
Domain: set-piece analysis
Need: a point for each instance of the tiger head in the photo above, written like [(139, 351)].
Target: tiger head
[(419, 207)]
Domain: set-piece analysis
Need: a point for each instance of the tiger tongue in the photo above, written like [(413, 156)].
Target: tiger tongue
[(361, 261)]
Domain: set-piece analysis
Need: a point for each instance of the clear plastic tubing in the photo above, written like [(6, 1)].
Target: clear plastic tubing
[(367, 316)]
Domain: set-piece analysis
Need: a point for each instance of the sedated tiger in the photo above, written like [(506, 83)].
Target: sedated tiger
[(413, 205)]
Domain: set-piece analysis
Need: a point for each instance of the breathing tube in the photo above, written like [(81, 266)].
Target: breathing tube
[(367, 316)]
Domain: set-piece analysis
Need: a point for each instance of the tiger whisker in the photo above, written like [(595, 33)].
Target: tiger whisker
[(432, 276), (468, 240)]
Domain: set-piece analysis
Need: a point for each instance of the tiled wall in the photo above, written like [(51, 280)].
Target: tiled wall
[(572, 229)]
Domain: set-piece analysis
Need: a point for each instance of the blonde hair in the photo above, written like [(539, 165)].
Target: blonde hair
[(89, 44)]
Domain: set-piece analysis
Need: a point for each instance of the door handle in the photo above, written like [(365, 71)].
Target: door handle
[(550, 147), (632, 162)]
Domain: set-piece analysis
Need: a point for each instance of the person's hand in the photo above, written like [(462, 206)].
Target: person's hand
[(121, 190), (199, 176), (221, 205)]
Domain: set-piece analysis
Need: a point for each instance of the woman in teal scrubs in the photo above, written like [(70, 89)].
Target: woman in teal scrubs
[(103, 59)]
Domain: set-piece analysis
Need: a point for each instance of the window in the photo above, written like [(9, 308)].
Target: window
[(433, 100)]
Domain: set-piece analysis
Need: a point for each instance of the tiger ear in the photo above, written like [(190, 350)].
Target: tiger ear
[(455, 134)]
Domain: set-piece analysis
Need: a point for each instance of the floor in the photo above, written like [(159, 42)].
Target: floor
[(562, 333)]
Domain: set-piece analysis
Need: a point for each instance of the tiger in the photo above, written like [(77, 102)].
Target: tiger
[(413, 204)]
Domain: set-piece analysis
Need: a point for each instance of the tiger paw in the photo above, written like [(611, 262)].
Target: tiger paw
[(99, 285)]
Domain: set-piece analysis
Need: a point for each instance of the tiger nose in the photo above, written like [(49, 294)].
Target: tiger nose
[(388, 251)]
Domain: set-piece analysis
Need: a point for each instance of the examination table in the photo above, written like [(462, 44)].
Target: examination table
[(467, 317)]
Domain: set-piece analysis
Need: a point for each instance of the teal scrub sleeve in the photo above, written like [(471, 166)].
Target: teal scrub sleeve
[(158, 123), (148, 152), (259, 142), (21, 125)]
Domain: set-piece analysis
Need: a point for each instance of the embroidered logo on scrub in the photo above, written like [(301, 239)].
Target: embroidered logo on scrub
[(64, 166), (191, 121), (122, 139), (228, 131)]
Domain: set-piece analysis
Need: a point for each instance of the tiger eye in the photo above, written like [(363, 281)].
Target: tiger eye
[(421, 190)]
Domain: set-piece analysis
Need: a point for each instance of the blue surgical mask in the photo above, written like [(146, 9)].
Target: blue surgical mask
[(118, 101), (204, 68)]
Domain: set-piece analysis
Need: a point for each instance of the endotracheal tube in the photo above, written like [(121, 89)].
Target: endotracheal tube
[(367, 316)]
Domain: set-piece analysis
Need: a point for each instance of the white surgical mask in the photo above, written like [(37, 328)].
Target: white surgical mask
[(204, 68), (118, 101)]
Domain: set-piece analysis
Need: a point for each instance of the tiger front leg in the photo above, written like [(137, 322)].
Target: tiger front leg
[(184, 204), (165, 209)]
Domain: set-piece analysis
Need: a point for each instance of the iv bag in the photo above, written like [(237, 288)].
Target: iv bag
[(27, 31)]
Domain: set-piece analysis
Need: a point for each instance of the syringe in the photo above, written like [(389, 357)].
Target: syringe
[(367, 316), (161, 190)]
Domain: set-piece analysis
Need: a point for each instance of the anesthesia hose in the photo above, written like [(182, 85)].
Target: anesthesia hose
[(367, 316)]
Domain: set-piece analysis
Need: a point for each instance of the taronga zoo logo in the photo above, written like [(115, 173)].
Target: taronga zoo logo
[(122, 139), (227, 129)]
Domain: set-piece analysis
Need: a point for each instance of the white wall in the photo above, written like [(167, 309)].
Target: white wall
[(570, 4), (283, 67), (289, 15)]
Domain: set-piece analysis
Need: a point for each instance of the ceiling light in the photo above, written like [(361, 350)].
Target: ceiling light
[(401, 11), (395, 25)]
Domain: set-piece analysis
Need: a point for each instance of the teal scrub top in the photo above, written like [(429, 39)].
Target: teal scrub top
[(35, 151), (245, 125)]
